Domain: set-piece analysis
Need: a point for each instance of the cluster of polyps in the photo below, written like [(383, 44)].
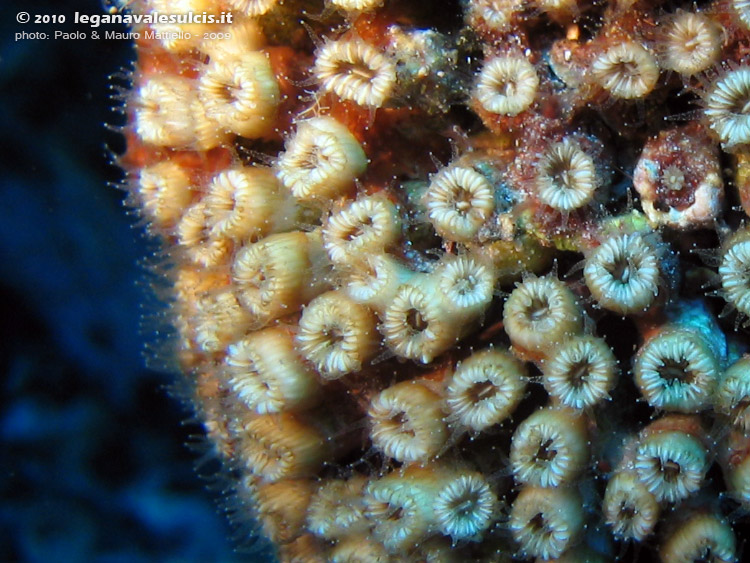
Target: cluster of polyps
[(360, 205)]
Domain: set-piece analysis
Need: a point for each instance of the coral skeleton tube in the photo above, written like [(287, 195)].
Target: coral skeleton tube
[(202, 246), (209, 134), (355, 71), (373, 280), (165, 191), (700, 536), (546, 522), (241, 94), (691, 43), (539, 314), (485, 389), (550, 448), (567, 177), (219, 319), (282, 507), (581, 372), (507, 85), (458, 201), (321, 161), (337, 509), (733, 394), (623, 273), (677, 370), (671, 464), (369, 225), (267, 374), (733, 271), (726, 105), (465, 506), (496, 15), (414, 324), (276, 447), (401, 505), (163, 114), (407, 422), (197, 298), (242, 203), (275, 275), (626, 70), (337, 335), (630, 509), (465, 284), (409, 505)]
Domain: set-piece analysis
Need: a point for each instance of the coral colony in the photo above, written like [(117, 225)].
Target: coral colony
[(459, 282)]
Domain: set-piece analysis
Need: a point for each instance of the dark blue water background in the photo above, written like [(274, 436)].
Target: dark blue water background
[(93, 465)]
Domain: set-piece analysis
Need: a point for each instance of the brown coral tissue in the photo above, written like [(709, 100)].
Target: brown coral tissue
[(457, 281)]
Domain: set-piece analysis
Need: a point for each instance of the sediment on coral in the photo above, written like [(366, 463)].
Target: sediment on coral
[(466, 283)]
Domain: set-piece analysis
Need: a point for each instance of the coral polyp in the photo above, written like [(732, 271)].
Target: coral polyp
[(623, 273), (567, 177), (626, 71), (727, 107), (458, 202), (507, 85), (458, 282), (691, 43), (355, 71)]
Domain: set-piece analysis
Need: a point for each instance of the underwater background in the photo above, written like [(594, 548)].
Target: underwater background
[(93, 461)]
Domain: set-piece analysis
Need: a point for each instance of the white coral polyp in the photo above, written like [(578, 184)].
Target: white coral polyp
[(628, 71), (728, 108), (321, 161), (507, 85), (356, 71)]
